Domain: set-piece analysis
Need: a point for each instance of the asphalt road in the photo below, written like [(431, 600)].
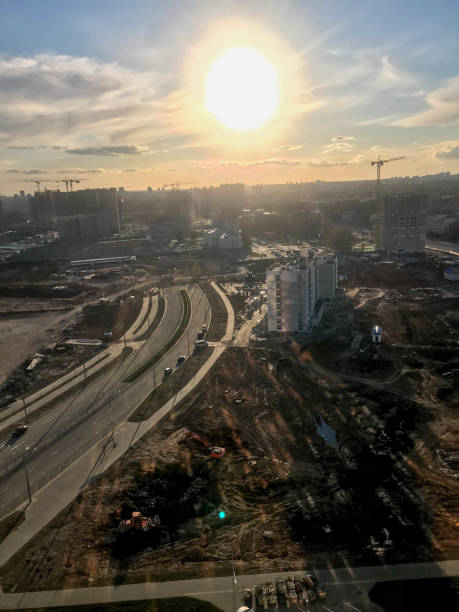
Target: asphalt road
[(347, 588), (66, 432)]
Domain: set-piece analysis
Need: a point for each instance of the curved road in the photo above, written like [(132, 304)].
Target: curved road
[(63, 434)]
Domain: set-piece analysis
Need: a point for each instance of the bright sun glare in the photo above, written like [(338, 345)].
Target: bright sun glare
[(242, 89)]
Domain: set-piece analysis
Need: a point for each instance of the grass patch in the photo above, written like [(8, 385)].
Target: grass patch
[(9, 523), (145, 317), (219, 319), (171, 385), (186, 314), (157, 320), (173, 604)]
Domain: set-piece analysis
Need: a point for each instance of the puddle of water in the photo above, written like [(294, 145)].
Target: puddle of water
[(326, 432)]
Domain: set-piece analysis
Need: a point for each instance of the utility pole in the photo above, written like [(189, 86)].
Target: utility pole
[(29, 492), (84, 370), (25, 408), (234, 588), (154, 378), (187, 342), (124, 337)]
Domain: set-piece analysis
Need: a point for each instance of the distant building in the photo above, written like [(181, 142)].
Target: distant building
[(222, 238), (439, 225), (328, 275), (295, 294), (179, 206), (402, 224), (77, 215)]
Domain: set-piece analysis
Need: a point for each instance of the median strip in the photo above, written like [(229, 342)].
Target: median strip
[(186, 315)]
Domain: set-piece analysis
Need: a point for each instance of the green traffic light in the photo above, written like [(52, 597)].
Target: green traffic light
[(221, 514)]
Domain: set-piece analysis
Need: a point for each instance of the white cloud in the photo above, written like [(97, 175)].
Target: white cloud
[(358, 160), (289, 147), (336, 138), (334, 147), (69, 99), (443, 107)]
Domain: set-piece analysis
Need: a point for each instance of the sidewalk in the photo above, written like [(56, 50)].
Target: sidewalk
[(55, 496)]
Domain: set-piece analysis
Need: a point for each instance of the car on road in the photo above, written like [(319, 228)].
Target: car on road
[(20, 430), (181, 358), (167, 371), (200, 343)]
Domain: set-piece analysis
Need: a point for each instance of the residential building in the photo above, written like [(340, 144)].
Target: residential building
[(439, 225), (77, 215), (296, 294), (402, 224)]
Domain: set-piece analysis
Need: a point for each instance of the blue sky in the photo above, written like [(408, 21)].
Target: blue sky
[(113, 91)]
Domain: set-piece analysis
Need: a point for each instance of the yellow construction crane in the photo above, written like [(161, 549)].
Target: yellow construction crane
[(177, 184), (69, 182), (378, 163), (36, 181)]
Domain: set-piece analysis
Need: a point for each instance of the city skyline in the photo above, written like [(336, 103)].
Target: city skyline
[(118, 99)]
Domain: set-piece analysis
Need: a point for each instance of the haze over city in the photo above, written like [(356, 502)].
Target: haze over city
[(127, 97)]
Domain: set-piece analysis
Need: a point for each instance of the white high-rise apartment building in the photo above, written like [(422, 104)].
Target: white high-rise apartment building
[(295, 293)]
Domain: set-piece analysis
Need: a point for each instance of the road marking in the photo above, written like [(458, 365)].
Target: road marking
[(55, 453), (5, 489), (348, 605), (206, 593)]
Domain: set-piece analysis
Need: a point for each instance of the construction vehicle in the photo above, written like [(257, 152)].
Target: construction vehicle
[(216, 452), (266, 595), (314, 588), (137, 521)]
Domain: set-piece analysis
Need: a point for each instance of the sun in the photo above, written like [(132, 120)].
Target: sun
[(242, 89)]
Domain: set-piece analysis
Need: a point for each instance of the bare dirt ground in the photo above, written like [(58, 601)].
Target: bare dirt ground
[(21, 336), (290, 499)]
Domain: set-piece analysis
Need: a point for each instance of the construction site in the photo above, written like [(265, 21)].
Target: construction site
[(291, 455)]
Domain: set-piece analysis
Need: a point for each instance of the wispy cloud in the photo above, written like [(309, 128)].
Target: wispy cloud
[(263, 162), (110, 151), (67, 171), (452, 153), (31, 171), (341, 147), (337, 138), (289, 147), (49, 97), (443, 108), (358, 160)]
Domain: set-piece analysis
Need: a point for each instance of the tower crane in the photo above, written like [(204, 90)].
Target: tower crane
[(378, 163), (36, 181), (177, 184), (71, 181)]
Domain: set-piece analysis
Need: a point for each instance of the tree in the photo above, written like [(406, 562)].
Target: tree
[(454, 231), (195, 270), (340, 239)]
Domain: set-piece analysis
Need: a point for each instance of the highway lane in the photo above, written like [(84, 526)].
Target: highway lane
[(99, 408)]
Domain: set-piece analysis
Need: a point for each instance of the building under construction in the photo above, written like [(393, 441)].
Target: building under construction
[(402, 224), (77, 215)]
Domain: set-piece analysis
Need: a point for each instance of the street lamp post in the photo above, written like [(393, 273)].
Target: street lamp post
[(29, 492), (24, 405)]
